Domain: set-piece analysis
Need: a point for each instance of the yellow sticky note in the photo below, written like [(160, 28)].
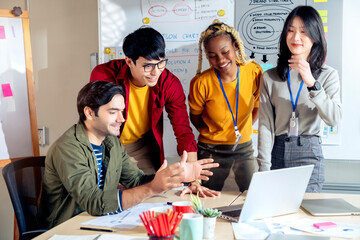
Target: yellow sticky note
[(325, 28), (323, 13), (318, 1), (324, 19)]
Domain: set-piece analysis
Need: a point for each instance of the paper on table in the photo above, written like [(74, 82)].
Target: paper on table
[(128, 218), (245, 231), (280, 227), (97, 237), (343, 230), (120, 237), (74, 237)]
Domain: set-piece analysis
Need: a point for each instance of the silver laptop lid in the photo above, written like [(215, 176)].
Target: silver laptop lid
[(329, 207), (275, 192)]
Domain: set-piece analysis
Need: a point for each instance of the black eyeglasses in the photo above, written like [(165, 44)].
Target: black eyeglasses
[(151, 66)]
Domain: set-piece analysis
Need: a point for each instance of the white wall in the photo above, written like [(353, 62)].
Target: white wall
[(342, 163), (64, 34), (350, 126)]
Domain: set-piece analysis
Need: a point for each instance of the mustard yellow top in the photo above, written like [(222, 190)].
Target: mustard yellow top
[(137, 123), (207, 99)]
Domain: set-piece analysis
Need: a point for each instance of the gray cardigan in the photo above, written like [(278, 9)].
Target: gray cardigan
[(314, 106)]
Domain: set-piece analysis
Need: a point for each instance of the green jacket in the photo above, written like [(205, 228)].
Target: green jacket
[(70, 182)]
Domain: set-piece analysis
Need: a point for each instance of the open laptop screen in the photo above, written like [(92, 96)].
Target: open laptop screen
[(272, 193)]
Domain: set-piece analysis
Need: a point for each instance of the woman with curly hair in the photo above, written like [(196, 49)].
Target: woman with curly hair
[(224, 101)]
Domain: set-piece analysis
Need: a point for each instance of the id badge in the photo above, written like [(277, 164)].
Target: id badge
[(293, 126), (238, 138)]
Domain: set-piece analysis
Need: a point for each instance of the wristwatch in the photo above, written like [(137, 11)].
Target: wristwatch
[(316, 87)]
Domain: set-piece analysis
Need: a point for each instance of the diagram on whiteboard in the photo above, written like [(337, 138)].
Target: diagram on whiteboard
[(260, 29), (177, 10)]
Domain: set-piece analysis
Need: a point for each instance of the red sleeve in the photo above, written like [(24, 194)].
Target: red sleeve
[(177, 113)]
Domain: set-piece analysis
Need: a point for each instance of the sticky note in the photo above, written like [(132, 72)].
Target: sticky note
[(323, 13), (266, 66), (319, 1), (2, 32), (6, 89), (325, 225)]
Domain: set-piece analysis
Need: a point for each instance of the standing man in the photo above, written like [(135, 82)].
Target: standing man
[(149, 87), (84, 166)]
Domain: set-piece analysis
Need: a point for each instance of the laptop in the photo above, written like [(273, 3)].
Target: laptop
[(329, 207), (271, 193)]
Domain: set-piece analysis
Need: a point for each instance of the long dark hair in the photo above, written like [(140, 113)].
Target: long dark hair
[(315, 30)]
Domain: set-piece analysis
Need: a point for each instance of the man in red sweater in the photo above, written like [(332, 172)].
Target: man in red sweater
[(150, 87)]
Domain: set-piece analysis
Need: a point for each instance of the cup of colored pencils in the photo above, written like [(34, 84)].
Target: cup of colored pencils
[(161, 225)]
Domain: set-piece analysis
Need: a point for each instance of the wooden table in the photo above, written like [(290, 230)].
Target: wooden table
[(223, 229)]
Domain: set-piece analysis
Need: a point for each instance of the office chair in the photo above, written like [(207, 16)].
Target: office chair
[(23, 179)]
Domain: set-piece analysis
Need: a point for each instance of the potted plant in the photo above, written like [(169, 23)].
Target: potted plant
[(210, 215)]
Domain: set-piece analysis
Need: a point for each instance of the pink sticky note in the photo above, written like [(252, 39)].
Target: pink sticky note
[(6, 89), (2, 32), (325, 225)]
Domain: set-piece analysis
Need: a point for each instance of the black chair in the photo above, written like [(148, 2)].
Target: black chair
[(23, 179)]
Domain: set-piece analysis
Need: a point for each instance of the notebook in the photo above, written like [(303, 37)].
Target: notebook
[(329, 207), (271, 193)]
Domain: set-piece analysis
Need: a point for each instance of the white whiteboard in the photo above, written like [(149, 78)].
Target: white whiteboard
[(15, 129), (122, 17)]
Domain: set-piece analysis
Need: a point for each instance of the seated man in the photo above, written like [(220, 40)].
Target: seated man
[(84, 166)]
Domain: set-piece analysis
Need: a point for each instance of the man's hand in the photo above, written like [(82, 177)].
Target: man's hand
[(168, 177), (196, 170), (203, 191)]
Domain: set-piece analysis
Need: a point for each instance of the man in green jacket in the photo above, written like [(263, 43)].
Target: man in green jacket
[(84, 166)]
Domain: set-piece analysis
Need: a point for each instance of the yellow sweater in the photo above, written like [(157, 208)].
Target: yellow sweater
[(137, 122), (206, 98)]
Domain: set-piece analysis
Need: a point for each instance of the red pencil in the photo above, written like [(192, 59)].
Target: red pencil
[(147, 227), (178, 220)]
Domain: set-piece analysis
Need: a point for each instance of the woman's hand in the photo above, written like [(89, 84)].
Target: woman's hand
[(303, 67), (203, 191)]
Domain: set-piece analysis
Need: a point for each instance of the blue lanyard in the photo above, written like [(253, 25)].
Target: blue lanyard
[(298, 94), (237, 97)]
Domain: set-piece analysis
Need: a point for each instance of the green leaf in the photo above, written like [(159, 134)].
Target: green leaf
[(211, 212), (199, 207), (196, 202)]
